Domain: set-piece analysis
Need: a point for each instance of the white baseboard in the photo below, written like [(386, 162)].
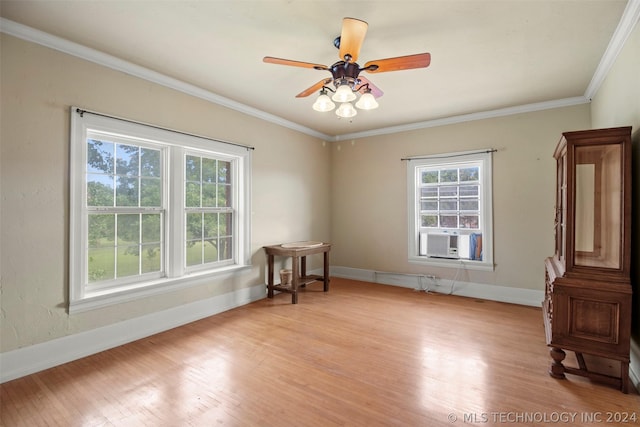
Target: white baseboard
[(28, 360), (520, 296)]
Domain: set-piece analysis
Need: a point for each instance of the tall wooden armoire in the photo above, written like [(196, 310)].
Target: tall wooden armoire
[(587, 306)]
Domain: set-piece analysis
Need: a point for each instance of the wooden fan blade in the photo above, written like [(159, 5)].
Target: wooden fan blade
[(280, 61), (351, 38), (420, 60), (316, 87), (375, 91)]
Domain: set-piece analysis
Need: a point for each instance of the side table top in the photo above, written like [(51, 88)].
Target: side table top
[(301, 245), (298, 248)]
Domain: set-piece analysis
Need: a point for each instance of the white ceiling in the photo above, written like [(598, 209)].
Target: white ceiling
[(485, 55)]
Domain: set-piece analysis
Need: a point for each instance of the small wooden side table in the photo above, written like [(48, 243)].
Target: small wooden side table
[(298, 252)]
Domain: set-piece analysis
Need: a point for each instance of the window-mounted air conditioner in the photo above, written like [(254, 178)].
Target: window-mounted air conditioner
[(439, 245)]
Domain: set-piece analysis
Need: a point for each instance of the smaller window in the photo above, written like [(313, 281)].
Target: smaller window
[(449, 207)]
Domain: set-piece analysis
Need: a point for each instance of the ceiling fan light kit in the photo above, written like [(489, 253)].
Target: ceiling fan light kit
[(346, 110), (323, 103), (367, 101), (346, 72), (344, 93)]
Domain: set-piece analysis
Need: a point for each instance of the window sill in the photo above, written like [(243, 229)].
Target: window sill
[(104, 298), (452, 263)]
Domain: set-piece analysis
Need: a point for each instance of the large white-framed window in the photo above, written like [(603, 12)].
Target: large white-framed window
[(151, 209), (450, 209)]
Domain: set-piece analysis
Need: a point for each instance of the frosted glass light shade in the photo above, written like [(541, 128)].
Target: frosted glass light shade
[(323, 104), (344, 94), (367, 102), (346, 110)]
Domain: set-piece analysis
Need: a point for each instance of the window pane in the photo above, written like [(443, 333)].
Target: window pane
[(225, 248), (101, 254), (101, 265), (209, 195), (194, 252), (429, 205), (151, 258), (449, 221), (449, 205), (429, 220), (224, 195), (224, 172), (429, 177), (469, 190), (192, 168), (449, 175), (127, 160), (150, 192), (151, 228), (429, 192), (192, 196), (208, 170), (126, 191), (469, 205), (225, 225), (448, 191), (469, 221), (99, 156), (128, 229), (469, 174), (210, 251), (128, 261), (102, 230), (100, 190), (210, 225), (194, 226), (150, 162)]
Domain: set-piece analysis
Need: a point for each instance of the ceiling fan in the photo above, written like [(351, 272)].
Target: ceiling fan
[(345, 74)]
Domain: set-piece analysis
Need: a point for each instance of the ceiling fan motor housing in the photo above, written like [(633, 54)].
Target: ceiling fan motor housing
[(342, 71)]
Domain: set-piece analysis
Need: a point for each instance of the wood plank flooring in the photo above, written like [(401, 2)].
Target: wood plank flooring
[(360, 355)]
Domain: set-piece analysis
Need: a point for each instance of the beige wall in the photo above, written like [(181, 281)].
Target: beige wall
[(290, 198), (617, 103), (369, 208)]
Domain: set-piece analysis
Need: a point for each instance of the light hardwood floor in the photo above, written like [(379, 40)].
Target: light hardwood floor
[(360, 355)]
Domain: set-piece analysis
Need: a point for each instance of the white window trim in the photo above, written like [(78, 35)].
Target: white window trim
[(413, 163), (175, 144)]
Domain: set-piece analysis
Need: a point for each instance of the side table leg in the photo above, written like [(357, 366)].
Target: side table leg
[(294, 280), (303, 269), (303, 266), (326, 271), (270, 276)]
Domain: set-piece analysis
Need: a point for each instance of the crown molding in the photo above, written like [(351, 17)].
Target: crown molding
[(526, 108), (57, 43), (628, 21), (629, 18)]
